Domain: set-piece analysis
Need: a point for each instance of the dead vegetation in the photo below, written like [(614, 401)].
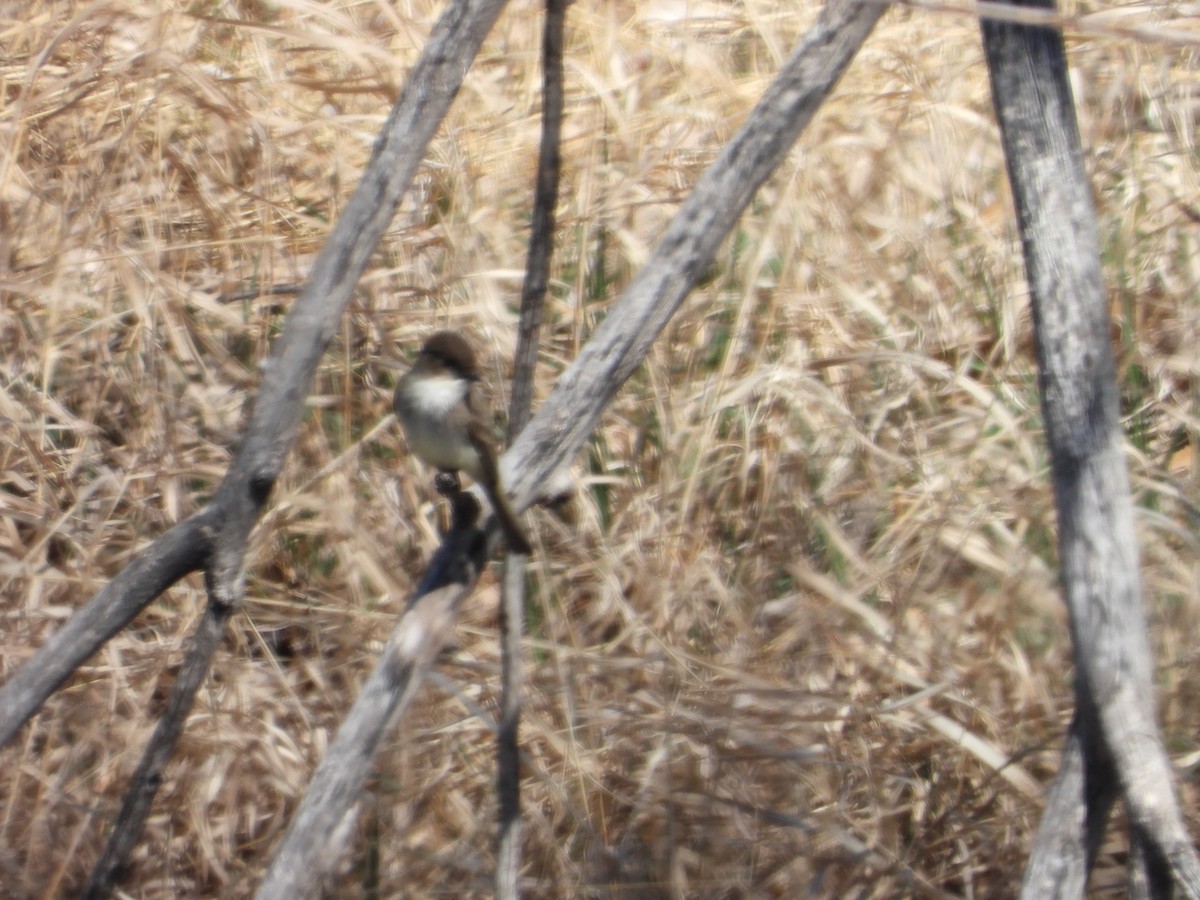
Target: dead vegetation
[(805, 635)]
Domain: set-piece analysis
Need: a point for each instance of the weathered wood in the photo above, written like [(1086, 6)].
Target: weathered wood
[(215, 539), (1080, 405), (1073, 824), (179, 552), (558, 430), (688, 246), (320, 826)]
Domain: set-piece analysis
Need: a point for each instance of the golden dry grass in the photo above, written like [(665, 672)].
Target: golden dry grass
[(809, 611)]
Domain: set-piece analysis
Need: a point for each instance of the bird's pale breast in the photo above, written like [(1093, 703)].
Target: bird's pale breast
[(435, 423)]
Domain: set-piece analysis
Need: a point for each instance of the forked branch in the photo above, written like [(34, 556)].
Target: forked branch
[(215, 539)]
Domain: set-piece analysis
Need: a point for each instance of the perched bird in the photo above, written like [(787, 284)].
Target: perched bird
[(445, 419)]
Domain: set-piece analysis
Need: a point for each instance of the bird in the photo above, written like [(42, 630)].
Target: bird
[(441, 407)]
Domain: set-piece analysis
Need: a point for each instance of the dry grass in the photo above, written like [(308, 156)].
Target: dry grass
[(809, 611)]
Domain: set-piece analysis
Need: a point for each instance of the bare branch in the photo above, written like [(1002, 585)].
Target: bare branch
[(512, 597), (318, 828), (563, 423), (179, 552), (144, 784), (688, 246), (313, 322), (216, 538), (508, 747), (1080, 404), (1073, 824), (545, 201)]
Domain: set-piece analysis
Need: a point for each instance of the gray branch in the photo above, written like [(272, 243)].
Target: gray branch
[(215, 539), (321, 825), (179, 552), (1098, 552), (688, 246), (1073, 824), (564, 422), (398, 153)]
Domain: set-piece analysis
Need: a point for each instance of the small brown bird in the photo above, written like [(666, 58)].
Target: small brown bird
[(445, 420)]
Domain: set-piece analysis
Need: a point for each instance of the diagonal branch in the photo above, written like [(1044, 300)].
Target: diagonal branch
[(215, 539), (179, 552), (398, 153), (320, 826), (564, 422), (687, 247)]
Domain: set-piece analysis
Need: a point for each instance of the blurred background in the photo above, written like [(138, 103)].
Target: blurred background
[(804, 636)]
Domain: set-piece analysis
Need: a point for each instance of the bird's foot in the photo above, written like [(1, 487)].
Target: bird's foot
[(447, 484)]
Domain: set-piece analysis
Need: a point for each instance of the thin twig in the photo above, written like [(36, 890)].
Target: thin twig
[(545, 202), (512, 597), (144, 785), (508, 746)]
